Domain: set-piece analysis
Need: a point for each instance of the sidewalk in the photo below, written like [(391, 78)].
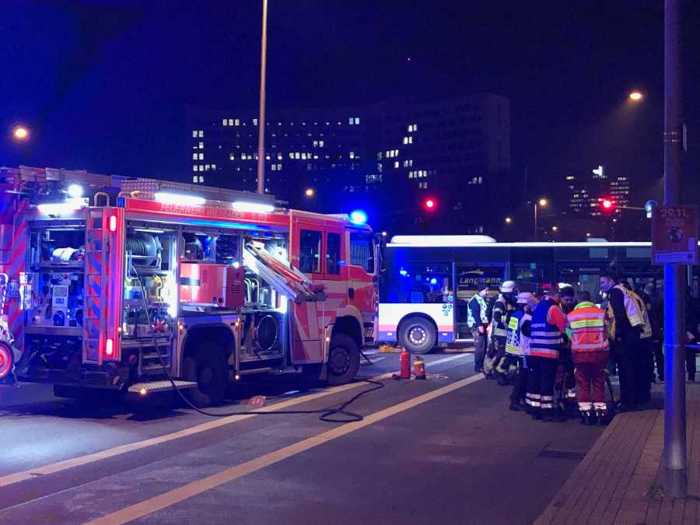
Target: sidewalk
[(620, 480)]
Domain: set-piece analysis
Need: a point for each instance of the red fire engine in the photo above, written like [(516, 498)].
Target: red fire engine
[(123, 284)]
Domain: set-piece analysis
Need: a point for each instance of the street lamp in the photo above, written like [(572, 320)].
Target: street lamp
[(309, 193), (539, 203), (20, 133), (636, 96), (555, 229), (509, 220), (261, 119)]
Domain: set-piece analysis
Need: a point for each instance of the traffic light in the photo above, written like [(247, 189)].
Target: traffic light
[(429, 204), (607, 205)]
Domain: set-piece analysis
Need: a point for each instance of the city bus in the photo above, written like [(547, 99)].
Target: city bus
[(428, 280)]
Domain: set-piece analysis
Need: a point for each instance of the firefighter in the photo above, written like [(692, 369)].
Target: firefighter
[(477, 321), (547, 338), (625, 326), (590, 351), (517, 345), (502, 307)]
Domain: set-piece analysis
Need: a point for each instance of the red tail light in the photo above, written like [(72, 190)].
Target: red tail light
[(109, 348)]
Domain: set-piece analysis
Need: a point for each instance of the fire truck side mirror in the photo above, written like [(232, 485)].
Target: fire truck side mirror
[(235, 287)]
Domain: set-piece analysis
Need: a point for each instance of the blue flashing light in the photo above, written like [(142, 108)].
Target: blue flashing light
[(433, 281), (358, 217), (403, 273)]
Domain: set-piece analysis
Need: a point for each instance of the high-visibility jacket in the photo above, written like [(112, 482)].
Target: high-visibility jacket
[(632, 310), (477, 302), (513, 333), (587, 324), (547, 339), (646, 323), (498, 328)]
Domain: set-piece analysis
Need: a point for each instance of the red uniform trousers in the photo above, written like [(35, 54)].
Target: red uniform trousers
[(590, 378)]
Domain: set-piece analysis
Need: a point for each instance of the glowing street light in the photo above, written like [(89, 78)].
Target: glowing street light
[(309, 193), (555, 228), (636, 96), (20, 133), (509, 220), (541, 203)]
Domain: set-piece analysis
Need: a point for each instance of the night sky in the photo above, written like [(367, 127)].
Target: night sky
[(105, 84)]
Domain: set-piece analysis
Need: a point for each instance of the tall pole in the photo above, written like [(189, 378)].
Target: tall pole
[(261, 120), (535, 220), (675, 460)]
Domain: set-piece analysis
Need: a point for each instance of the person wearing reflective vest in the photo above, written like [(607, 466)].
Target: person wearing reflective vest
[(477, 321), (547, 338), (517, 344), (624, 330), (499, 319), (590, 352), (642, 359)]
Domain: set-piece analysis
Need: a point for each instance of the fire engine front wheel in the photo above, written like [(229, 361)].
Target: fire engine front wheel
[(343, 360), (417, 335), (208, 368)]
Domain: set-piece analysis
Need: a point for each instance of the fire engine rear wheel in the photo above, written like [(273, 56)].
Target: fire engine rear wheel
[(209, 368), (417, 335), (343, 360)]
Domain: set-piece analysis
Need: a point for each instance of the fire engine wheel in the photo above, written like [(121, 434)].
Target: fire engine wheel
[(343, 360), (417, 335), (209, 368)]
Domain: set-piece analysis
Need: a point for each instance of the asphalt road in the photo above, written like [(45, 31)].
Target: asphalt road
[(446, 450)]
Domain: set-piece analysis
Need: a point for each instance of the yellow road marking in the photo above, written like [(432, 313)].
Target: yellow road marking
[(52, 468), (167, 499)]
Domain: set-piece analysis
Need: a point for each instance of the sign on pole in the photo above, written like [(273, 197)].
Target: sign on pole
[(674, 234)]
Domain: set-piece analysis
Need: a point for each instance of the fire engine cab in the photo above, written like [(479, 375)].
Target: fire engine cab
[(124, 284)]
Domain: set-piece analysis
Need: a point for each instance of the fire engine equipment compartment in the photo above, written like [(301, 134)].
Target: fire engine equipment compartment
[(52, 297)]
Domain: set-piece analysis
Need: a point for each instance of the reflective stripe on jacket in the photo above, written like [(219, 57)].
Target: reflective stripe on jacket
[(633, 311), (524, 340), (513, 334), (587, 323), (499, 319), (547, 339), (646, 323)]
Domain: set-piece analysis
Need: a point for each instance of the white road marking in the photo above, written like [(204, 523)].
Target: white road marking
[(194, 488), (53, 468)]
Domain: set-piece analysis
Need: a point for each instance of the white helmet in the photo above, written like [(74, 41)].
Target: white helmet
[(507, 287)]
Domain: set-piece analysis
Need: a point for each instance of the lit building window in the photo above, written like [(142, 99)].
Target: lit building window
[(201, 145), (201, 156), (194, 133), (224, 122), (255, 122), (201, 134), (195, 179), (194, 156), (352, 154), (396, 164), (194, 167), (320, 143)]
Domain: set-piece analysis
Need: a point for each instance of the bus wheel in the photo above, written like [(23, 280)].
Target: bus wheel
[(209, 369), (343, 360), (417, 335)]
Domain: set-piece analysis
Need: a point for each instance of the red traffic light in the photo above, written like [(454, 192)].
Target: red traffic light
[(430, 204), (607, 204)]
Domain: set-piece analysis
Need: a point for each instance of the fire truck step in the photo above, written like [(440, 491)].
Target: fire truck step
[(143, 389)]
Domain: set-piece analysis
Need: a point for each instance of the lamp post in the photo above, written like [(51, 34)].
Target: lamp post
[(539, 203), (675, 458), (261, 120)]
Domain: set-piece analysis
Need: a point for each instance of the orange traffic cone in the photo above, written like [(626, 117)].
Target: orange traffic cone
[(418, 368)]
